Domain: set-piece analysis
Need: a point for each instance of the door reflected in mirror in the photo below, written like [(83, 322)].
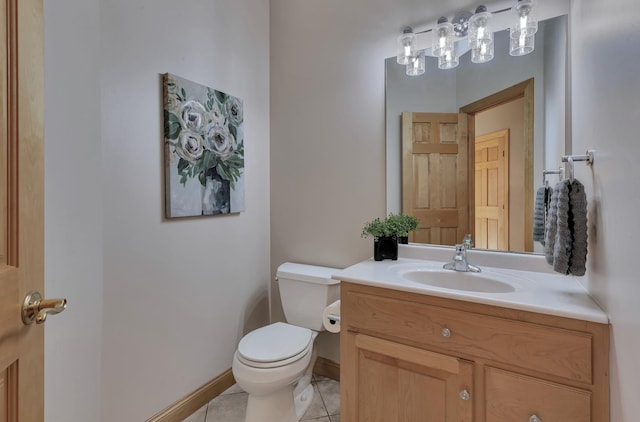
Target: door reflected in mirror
[(466, 148)]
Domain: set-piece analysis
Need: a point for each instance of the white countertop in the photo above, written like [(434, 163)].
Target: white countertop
[(535, 291)]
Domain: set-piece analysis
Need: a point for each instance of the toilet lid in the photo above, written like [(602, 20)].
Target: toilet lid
[(274, 342)]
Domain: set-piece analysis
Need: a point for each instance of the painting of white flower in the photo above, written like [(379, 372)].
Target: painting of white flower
[(204, 149)]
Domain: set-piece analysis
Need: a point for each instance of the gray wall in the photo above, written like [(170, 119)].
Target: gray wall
[(605, 117), (73, 209), (432, 92), (156, 307)]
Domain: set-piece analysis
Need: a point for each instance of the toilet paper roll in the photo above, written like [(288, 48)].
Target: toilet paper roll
[(331, 317)]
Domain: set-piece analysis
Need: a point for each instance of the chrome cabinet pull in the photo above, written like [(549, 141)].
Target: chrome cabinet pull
[(446, 332), (535, 418), (464, 395), (34, 308)]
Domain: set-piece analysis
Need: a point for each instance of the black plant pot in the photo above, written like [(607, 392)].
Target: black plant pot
[(385, 247), (404, 240)]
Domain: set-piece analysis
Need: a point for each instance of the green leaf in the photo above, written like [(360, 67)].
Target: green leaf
[(183, 179), (202, 178), (172, 126), (221, 96), (222, 172), (182, 164), (184, 94), (235, 161), (198, 167)]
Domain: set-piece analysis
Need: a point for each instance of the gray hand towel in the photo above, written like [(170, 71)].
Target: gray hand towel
[(578, 206), (564, 236), (539, 214), (566, 229), (551, 226)]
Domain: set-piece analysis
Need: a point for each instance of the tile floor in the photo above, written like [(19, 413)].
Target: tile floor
[(230, 405)]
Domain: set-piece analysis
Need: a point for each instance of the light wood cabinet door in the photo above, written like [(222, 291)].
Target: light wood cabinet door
[(514, 397), (399, 383)]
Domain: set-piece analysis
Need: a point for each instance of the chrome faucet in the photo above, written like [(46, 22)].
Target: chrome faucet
[(460, 262)]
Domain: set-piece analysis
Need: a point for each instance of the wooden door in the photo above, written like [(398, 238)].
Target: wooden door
[(399, 383), (435, 177), (492, 190), (21, 208)]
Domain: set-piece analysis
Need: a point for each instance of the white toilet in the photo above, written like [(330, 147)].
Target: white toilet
[(274, 364)]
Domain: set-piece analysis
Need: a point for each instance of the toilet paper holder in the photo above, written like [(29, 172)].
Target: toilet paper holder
[(333, 319)]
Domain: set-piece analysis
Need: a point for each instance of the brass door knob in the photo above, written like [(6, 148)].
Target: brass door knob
[(36, 309)]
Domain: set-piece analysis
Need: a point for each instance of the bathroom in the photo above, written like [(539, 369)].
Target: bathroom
[(157, 307)]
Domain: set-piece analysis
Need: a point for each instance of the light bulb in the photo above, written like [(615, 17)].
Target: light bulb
[(449, 59), (416, 64), (406, 46), (443, 38), (480, 36)]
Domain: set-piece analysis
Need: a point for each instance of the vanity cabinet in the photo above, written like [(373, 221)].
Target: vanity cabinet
[(415, 357)]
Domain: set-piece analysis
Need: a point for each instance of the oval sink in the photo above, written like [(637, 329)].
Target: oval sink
[(456, 280)]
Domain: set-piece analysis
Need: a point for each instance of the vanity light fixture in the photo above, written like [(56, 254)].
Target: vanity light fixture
[(406, 47), (476, 28)]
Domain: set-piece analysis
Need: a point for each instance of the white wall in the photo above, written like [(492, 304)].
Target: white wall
[(605, 60), (156, 307), (73, 209)]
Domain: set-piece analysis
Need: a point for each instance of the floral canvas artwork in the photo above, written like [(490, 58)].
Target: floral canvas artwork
[(204, 149)]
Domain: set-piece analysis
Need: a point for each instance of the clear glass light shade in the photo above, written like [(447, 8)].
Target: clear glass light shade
[(525, 23), (482, 52), (480, 37), (415, 67), (442, 39), (406, 47), (522, 45), (479, 30), (449, 59)]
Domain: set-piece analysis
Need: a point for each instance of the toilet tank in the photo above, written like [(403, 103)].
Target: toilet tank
[(305, 290)]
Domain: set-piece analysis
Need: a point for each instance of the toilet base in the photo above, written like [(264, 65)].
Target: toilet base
[(303, 401), (276, 407)]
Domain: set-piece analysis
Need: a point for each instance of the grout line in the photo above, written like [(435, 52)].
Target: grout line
[(326, 410)]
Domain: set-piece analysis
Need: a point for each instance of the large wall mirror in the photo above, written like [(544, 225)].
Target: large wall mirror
[(508, 115)]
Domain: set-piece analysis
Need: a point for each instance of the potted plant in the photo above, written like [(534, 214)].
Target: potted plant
[(385, 240), (402, 225)]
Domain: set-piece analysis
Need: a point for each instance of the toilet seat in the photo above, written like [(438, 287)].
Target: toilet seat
[(275, 345)]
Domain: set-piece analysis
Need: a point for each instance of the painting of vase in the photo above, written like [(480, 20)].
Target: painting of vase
[(204, 149)]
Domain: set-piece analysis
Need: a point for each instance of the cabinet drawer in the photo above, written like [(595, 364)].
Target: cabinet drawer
[(513, 397), (549, 350)]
